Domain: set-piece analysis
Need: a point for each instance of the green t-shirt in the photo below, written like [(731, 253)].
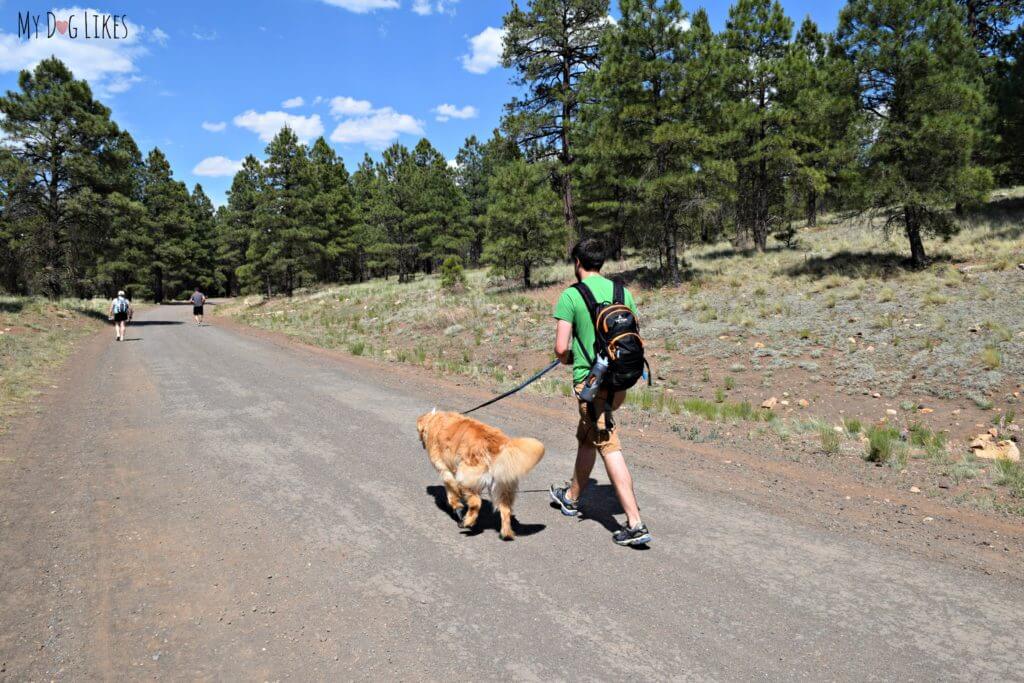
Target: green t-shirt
[(572, 309)]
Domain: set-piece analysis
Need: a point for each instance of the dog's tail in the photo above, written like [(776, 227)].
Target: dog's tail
[(518, 457)]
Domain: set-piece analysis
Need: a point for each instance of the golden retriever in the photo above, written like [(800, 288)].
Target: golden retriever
[(472, 457)]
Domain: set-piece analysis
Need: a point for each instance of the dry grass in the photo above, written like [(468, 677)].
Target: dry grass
[(36, 335)]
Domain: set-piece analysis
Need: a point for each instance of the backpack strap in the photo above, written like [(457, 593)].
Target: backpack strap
[(618, 292), (591, 303), (588, 299)]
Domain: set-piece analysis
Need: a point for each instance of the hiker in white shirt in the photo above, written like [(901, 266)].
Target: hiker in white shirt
[(120, 312)]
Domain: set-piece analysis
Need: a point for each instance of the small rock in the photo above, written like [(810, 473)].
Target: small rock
[(926, 410), (803, 403), (876, 395), (769, 403), (783, 403), (928, 519), (891, 411), (914, 489)]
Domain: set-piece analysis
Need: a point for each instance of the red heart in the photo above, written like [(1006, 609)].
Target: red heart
[(62, 26)]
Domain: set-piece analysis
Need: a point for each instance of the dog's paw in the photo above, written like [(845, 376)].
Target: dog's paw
[(507, 537), (460, 514)]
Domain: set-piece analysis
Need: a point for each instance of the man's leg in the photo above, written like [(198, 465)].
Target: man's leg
[(586, 455), (622, 480)]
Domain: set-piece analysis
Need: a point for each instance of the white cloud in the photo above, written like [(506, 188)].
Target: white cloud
[(159, 36), (348, 106), (363, 6), (425, 7), (217, 167), (293, 102), (108, 64), (377, 129), (204, 35), (484, 51), (453, 164), (450, 111), (267, 124), (214, 127), (683, 24)]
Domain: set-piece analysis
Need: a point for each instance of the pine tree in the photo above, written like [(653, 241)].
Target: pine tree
[(438, 210), (332, 206), (920, 82), (757, 36), (817, 85), (366, 192), (168, 228), (989, 21), (475, 164), (203, 266), (651, 133), (235, 223), (523, 230), (70, 161), (1008, 92), (551, 45), (287, 242)]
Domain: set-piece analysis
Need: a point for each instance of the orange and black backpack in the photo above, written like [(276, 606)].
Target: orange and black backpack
[(617, 338)]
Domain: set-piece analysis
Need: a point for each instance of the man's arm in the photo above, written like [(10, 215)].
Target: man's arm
[(563, 341)]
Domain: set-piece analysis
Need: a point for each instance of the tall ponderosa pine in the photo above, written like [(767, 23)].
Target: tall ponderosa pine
[(757, 36), (235, 223), (204, 242), (551, 45), (475, 164), (1009, 108), (168, 227), (70, 158), (438, 210), (287, 241), (523, 229), (818, 87), (654, 102), (332, 206), (920, 81)]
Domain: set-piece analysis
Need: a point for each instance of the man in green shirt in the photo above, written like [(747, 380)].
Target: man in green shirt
[(592, 435)]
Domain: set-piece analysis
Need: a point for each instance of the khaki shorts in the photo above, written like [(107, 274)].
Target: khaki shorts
[(589, 433)]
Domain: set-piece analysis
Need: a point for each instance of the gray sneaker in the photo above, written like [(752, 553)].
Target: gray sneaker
[(560, 495), (638, 535)]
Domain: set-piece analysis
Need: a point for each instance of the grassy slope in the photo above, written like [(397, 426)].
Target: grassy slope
[(36, 335), (833, 323)]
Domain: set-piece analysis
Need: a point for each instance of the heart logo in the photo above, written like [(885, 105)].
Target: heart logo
[(62, 26)]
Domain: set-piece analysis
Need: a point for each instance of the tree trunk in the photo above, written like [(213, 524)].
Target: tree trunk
[(913, 228), (812, 209), (158, 285), (526, 274)]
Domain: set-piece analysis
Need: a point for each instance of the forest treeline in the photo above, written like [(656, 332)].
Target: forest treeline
[(653, 131)]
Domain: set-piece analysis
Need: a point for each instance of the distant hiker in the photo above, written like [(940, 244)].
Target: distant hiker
[(575, 344), (198, 299), (120, 312)]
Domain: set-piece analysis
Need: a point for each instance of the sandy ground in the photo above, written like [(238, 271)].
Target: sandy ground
[(211, 503)]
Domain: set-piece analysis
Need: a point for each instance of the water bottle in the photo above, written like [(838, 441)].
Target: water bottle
[(589, 391)]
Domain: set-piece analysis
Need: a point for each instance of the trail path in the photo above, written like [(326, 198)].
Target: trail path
[(199, 503)]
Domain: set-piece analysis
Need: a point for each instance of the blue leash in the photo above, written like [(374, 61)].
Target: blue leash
[(522, 386)]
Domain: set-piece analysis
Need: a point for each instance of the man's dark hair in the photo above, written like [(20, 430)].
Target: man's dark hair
[(590, 254)]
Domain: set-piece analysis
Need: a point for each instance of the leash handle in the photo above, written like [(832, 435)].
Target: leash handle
[(522, 386)]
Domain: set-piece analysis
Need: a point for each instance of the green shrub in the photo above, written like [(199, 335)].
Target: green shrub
[(357, 348), (883, 444), (730, 383), (991, 357), (829, 440), (452, 276), (852, 425), (1011, 475)]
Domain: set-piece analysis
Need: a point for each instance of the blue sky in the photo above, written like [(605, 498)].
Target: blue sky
[(363, 73)]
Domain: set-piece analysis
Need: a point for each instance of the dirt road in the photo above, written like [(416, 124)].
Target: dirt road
[(198, 503)]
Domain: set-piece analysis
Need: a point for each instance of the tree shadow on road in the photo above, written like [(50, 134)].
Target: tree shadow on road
[(488, 519)]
